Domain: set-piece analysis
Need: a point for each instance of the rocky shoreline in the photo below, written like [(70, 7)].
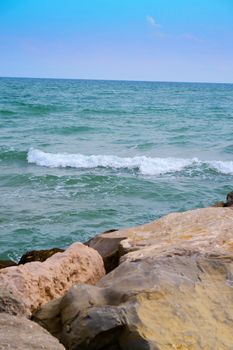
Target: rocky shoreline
[(164, 285)]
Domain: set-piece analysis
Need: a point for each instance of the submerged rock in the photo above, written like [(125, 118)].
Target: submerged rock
[(36, 283), (39, 255), (171, 290), (18, 333)]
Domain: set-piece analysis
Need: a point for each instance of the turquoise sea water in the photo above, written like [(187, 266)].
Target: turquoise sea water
[(80, 157)]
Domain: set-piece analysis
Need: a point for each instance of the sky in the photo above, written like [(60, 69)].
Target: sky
[(155, 40)]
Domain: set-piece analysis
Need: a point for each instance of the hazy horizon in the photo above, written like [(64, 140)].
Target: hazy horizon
[(123, 80)]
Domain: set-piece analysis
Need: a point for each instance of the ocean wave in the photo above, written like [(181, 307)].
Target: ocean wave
[(222, 167), (145, 165)]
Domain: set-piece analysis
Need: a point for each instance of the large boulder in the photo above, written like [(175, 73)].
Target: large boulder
[(36, 283), (18, 333), (171, 290), (207, 230), (164, 303)]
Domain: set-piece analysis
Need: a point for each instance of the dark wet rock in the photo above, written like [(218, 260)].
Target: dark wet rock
[(39, 255), (229, 201), (108, 248), (19, 333), (111, 230), (7, 263)]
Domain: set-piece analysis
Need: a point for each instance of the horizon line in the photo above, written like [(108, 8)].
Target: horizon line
[(119, 80)]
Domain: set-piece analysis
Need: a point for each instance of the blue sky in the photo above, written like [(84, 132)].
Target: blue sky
[(161, 40)]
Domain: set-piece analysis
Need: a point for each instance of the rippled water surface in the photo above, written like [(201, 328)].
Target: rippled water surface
[(80, 157)]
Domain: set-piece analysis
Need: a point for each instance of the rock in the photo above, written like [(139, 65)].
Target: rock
[(36, 283), (202, 229), (171, 290), (206, 230), (166, 303), (18, 333), (7, 263), (229, 202), (39, 255), (11, 303), (111, 230), (108, 249)]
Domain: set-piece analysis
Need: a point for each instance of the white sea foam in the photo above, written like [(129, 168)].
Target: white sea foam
[(146, 165), (222, 167)]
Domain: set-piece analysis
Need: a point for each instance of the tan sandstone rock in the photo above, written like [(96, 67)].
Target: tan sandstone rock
[(173, 290), (178, 302), (204, 230), (18, 333), (36, 283)]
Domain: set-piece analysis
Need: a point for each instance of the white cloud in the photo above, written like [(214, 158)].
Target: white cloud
[(151, 20), (166, 35)]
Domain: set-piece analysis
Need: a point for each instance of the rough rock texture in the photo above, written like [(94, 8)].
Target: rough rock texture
[(166, 303), (11, 303), (36, 283), (6, 263), (18, 333), (39, 255), (172, 290), (206, 230)]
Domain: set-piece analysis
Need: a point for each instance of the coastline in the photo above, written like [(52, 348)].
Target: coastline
[(163, 280), (99, 155)]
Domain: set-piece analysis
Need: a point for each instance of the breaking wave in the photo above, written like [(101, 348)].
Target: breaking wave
[(146, 165)]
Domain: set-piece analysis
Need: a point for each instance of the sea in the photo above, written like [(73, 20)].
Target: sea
[(78, 157)]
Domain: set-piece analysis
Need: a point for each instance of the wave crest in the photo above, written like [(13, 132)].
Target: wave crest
[(146, 165)]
